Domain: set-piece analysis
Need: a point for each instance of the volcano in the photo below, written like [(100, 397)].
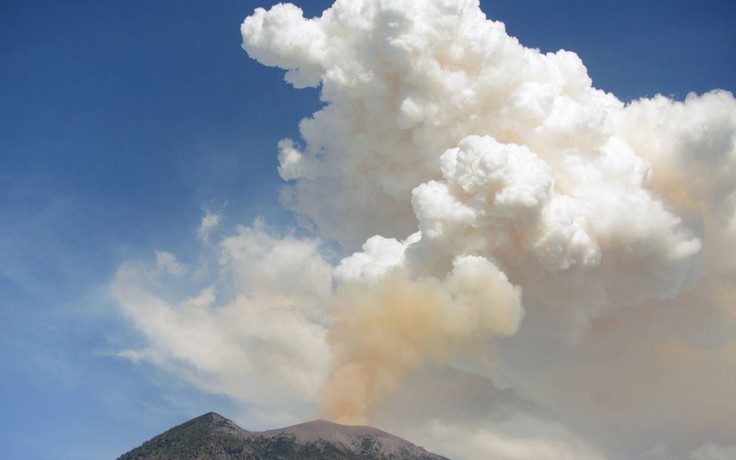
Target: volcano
[(214, 437)]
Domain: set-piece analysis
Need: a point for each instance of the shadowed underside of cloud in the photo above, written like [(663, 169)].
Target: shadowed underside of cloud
[(553, 261)]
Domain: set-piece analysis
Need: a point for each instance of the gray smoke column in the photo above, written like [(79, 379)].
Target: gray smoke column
[(512, 199)]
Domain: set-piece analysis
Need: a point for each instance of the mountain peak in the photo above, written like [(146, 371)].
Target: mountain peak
[(212, 436), (353, 438)]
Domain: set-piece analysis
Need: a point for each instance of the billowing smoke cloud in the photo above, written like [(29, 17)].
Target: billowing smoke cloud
[(391, 323), (498, 176), (501, 218)]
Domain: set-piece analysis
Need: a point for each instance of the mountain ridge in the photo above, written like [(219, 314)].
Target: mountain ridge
[(214, 437)]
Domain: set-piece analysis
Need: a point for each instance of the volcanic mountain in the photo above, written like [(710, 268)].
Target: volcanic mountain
[(213, 437)]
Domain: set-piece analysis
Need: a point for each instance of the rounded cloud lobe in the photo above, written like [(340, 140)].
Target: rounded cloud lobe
[(504, 218)]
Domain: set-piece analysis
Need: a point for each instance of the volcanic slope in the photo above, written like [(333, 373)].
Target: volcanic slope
[(213, 437)]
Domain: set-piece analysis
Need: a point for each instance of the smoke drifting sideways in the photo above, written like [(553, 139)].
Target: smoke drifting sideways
[(506, 220)]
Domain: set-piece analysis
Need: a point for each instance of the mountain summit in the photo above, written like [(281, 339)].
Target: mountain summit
[(213, 437)]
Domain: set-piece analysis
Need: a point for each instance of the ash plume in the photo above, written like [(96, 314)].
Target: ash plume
[(531, 245), (504, 186)]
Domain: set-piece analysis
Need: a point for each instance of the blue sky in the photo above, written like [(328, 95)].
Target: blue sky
[(123, 121)]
